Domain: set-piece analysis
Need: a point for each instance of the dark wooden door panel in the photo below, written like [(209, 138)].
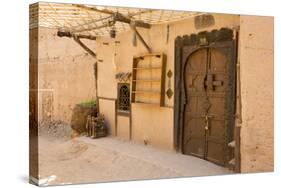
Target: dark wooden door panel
[(194, 127), (216, 128), (204, 100), (215, 152), (207, 97), (196, 147)]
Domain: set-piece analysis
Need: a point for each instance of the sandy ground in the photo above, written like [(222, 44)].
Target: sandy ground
[(85, 160)]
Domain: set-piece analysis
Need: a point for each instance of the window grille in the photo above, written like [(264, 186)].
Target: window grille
[(123, 97)]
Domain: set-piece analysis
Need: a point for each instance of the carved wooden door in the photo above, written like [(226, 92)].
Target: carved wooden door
[(209, 99)]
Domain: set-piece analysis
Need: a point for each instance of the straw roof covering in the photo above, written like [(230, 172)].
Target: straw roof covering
[(90, 19)]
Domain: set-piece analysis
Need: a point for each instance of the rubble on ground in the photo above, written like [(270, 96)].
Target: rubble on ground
[(56, 129)]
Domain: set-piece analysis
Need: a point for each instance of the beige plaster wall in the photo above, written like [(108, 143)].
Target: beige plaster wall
[(153, 125), (149, 122), (123, 127), (65, 75), (66, 78), (256, 62), (107, 108)]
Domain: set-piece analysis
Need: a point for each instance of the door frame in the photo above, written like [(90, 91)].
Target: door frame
[(195, 42)]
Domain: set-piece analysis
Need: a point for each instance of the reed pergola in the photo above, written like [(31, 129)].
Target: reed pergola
[(98, 20), (89, 21)]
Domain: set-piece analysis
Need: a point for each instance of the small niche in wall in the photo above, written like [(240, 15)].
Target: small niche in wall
[(148, 79)]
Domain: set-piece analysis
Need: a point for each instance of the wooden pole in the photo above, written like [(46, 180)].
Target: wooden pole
[(72, 35), (76, 39), (140, 38), (117, 16), (121, 18)]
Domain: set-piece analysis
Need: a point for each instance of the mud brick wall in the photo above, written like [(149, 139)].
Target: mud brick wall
[(146, 120), (65, 75), (256, 59)]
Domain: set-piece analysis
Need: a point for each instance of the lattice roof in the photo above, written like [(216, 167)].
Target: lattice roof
[(83, 18)]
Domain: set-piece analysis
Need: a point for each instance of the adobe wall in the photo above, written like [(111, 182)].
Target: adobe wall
[(151, 123), (66, 78), (65, 75), (256, 64)]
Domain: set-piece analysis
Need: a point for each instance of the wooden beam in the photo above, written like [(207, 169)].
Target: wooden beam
[(85, 47), (108, 23), (117, 16), (72, 35), (140, 38), (121, 18), (76, 38)]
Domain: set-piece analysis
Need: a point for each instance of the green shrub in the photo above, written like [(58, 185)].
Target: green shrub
[(88, 104)]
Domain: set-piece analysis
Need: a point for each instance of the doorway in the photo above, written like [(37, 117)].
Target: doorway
[(205, 95)]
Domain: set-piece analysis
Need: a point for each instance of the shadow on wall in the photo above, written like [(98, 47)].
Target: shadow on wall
[(60, 129), (80, 114)]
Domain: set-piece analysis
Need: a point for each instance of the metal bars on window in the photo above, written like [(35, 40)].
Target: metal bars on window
[(123, 97)]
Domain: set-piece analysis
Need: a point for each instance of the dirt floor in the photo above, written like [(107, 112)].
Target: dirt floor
[(84, 160)]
